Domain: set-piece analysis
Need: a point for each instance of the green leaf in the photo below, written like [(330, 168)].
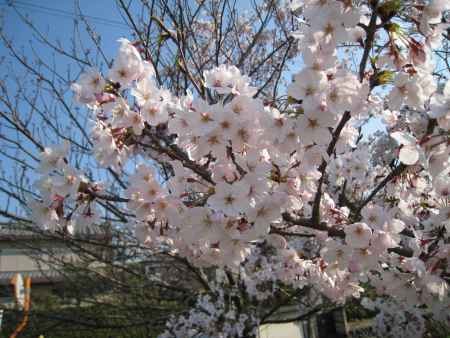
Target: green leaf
[(384, 76), (392, 27), (292, 100), (163, 37), (389, 9)]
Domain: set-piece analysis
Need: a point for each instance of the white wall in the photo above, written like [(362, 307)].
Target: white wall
[(288, 330)]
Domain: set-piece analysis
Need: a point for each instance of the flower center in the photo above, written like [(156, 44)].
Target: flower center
[(261, 212), (329, 29), (359, 231), (333, 96), (152, 111), (213, 140), (95, 81), (122, 73), (237, 109), (225, 125), (207, 221), (205, 118), (310, 90), (312, 123), (243, 134), (229, 199), (136, 119), (71, 179)]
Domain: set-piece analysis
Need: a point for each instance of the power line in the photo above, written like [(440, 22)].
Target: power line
[(63, 13), (69, 13)]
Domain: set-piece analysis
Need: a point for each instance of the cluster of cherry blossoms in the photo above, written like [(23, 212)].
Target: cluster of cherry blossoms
[(61, 184), (212, 318), (395, 319), (243, 173)]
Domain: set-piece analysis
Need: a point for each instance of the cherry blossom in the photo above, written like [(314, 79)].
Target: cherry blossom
[(53, 158), (406, 91), (313, 126), (89, 84), (274, 192), (410, 151), (308, 85), (44, 215), (358, 235), (128, 65), (229, 198)]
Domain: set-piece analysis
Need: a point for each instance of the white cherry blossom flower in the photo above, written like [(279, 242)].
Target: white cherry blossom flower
[(335, 252), (244, 136), (86, 221), (363, 259), (312, 127), (440, 104), (229, 198), (410, 151), (214, 143), (330, 26), (264, 213), (202, 120), (345, 93), (136, 122), (53, 158), (120, 113), (228, 79), (374, 216), (308, 86), (381, 241), (144, 90), (154, 112), (68, 183), (88, 86), (358, 235), (44, 215), (128, 65), (150, 191), (202, 223), (407, 91)]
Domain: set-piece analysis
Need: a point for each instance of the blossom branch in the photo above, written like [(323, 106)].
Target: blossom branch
[(368, 43), (393, 174), (174, 152), (316, 204)]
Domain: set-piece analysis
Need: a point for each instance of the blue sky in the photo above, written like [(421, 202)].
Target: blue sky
[(56, 20)]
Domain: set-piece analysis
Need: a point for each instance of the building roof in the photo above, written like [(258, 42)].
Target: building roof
[(37, 277), (7, 234)]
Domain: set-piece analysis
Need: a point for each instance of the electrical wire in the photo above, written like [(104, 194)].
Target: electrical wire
[(63, 13)]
